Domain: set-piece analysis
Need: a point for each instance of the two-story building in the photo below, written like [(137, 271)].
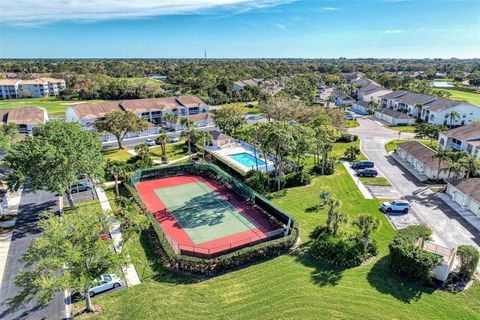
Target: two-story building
[(439, 111), (465, 138), (341, 98), (26, 118), (153, 110)]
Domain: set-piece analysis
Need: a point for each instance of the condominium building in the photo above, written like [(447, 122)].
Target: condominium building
[(35, 88)]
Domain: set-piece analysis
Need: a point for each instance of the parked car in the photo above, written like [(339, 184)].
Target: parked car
[(150, 142), (106, 282), (396, 205), (173, 138), (348, 116), (367, 172), (81, 186), (362, 165)]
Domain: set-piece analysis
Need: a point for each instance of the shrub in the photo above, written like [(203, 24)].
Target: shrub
[(352, 153), (343, 249), (297, 179), (407, 259), (258, 181), (347, 137), (330, 165), (469, 257)]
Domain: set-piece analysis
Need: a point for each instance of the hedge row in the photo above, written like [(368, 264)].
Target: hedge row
[(178, 262), (408, 259)]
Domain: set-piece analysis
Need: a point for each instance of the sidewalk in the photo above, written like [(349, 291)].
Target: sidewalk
[(5, 239), (365, 192), (131, 276), (465, 213)]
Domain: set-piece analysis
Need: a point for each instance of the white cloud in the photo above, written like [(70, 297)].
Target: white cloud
[(329, 9), (34, 12), (396, 31)]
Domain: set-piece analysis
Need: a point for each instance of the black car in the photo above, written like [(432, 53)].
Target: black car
[(362, 165), (367, 172)]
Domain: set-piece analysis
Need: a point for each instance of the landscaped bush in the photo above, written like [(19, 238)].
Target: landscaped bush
[(136, 163), (330, 166), (469, 257), (343, 249), (347, 137), (297, 179), (408, 259), (258, 181)]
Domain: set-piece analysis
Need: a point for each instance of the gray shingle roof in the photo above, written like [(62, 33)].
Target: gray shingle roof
[(415, 98), (393, 113), (470, 187), (362, 103), (443, 104), (394, 94), (422, 153)]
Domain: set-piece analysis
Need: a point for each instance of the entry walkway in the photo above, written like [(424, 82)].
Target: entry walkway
[(131, 275)]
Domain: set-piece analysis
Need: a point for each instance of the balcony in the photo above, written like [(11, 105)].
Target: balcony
[(455, 146)]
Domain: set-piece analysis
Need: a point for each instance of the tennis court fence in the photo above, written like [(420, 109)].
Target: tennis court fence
[(212, 252)]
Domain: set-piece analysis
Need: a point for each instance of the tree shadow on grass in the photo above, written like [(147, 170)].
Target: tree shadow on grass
[(323, 274), (382, 278), (153, 268)]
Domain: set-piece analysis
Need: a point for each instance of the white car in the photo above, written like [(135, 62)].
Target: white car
[(106, 282), (150, 142), (396, 205), (173, 138)]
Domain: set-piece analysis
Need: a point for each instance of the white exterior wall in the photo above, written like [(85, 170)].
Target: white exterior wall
[(375, 96), (463, 200), (9, 91), (469, 113), (37, 90)]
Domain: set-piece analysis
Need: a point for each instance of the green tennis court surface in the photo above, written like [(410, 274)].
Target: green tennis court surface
[(202, 213)]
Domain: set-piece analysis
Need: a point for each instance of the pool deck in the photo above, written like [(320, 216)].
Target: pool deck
[(224, 153)]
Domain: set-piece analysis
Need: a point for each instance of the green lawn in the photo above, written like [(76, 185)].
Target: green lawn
[(174, 151), (338, 151), (410, 129), (55, 107), (352, 123), (252, 110), (116, 154), (374, 181), (471, 97), (291, 286), (392, 145)]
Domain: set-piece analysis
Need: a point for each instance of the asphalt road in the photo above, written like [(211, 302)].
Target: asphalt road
[(26, 230), (452, 228)]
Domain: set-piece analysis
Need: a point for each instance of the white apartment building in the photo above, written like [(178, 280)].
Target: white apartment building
[(35, 88), (153, 110), (465, 138)]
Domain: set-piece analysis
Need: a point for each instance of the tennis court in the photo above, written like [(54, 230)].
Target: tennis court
[(201, 215)]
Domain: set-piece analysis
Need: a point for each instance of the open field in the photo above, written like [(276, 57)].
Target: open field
[(54, 106), (291, 286), (471, 97), (392, 145)]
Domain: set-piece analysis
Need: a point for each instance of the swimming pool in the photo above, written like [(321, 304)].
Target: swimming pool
[(246, 159)]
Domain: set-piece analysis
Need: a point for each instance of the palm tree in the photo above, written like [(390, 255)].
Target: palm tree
[(170, 117), (441, 155), (186, 123), (337, 219), (191, 134), (366, 224), (453, 115), (333, 204), (326, 149), (162, 140), (142, 150), (455, 163), (206, 138), (471, 164), (117, 169)]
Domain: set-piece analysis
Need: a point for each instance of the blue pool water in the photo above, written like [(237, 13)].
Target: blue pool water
[(246, 159)]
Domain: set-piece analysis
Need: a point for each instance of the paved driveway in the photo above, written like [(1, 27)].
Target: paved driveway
[(25, 232), (428, 207)]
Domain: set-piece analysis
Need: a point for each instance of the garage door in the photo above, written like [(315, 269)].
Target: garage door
[(474, 207)]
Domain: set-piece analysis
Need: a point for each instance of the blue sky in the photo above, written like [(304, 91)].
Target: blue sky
[(240, 28)]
